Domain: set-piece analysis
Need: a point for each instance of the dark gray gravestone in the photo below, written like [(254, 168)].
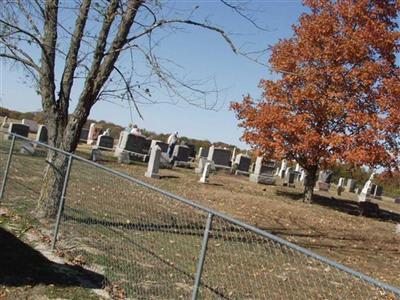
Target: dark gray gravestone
[(378, 192), (203, 152), (42, 134), (84, 135), (19, 129), (243, 163), (220, 157), (289, 177), (373, 188), (397, 200), (147, 146), (105, 142), (181, 153), (162, 145), (132, 143), (192, 150)]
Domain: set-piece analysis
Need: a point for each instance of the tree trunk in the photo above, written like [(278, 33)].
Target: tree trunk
[(309, 183), (53, 181)]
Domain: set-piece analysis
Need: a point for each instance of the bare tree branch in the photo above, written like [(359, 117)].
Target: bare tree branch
[(188, 22), (71, 60)]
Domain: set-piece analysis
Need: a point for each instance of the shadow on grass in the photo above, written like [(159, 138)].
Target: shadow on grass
[(169, 177), (21, 265), (346, 206)]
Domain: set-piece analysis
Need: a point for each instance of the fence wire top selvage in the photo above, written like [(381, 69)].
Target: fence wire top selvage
[(223, 216)]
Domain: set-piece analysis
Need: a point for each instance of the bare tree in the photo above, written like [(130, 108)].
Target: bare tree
[(39, 36)]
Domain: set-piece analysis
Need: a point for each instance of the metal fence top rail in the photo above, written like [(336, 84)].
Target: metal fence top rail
[(251, 228)]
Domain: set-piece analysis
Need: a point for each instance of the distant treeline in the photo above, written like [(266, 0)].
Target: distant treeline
[(115, 129)]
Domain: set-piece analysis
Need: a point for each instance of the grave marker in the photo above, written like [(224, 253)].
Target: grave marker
[(42, 135), (206, 173), (161, 144), (19, 129), (263, 173), (243, 164), (154, 163), (203, 152), (220, 157), (94, 132), (351, 185), (105, 142)]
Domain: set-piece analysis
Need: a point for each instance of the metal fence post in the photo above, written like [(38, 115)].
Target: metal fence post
[(202, 257), (3, 184), (61, 204)]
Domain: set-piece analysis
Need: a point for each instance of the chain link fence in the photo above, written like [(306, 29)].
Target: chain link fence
[(150, 244)]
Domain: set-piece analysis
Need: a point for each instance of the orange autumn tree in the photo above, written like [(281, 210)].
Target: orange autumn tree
[(334, 98)]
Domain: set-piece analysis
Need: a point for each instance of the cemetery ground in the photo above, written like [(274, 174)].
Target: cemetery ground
[(329, 227)]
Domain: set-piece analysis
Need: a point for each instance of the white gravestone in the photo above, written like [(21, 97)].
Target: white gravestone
[(297, 169), (154, 163), (302, 175), (351, 185), (341, 182), (94, 133), (233, 155), (283, 168), (366, 191), (206, 173)]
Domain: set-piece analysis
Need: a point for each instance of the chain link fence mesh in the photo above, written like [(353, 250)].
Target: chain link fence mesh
[(147, 243)]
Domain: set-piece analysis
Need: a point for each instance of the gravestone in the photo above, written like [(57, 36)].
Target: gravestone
[(28, 149), (233, 157), (105, 142), (220, 157), (283, 168), (289, 177), (397, 201), (243, 164), (324, 180), (351, 185), (131, 143), (5, 124), (19, 129), (161, 144), (378, 192), (180, 156), (154, 163), (366, 191), (84, 135), (297, 169), (124, 158), (203, 152), (323, 186), (206, 173), (181, 153), (201, 164), (33, 125), (147, 146), (341, 182), (263, 173), (94, 132), (42, 135), (96, 155), (192, 150)]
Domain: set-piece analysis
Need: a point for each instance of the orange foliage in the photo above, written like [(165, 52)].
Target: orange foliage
[(339, 93)]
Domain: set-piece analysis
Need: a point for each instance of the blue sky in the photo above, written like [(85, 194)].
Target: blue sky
[(203, 54)]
